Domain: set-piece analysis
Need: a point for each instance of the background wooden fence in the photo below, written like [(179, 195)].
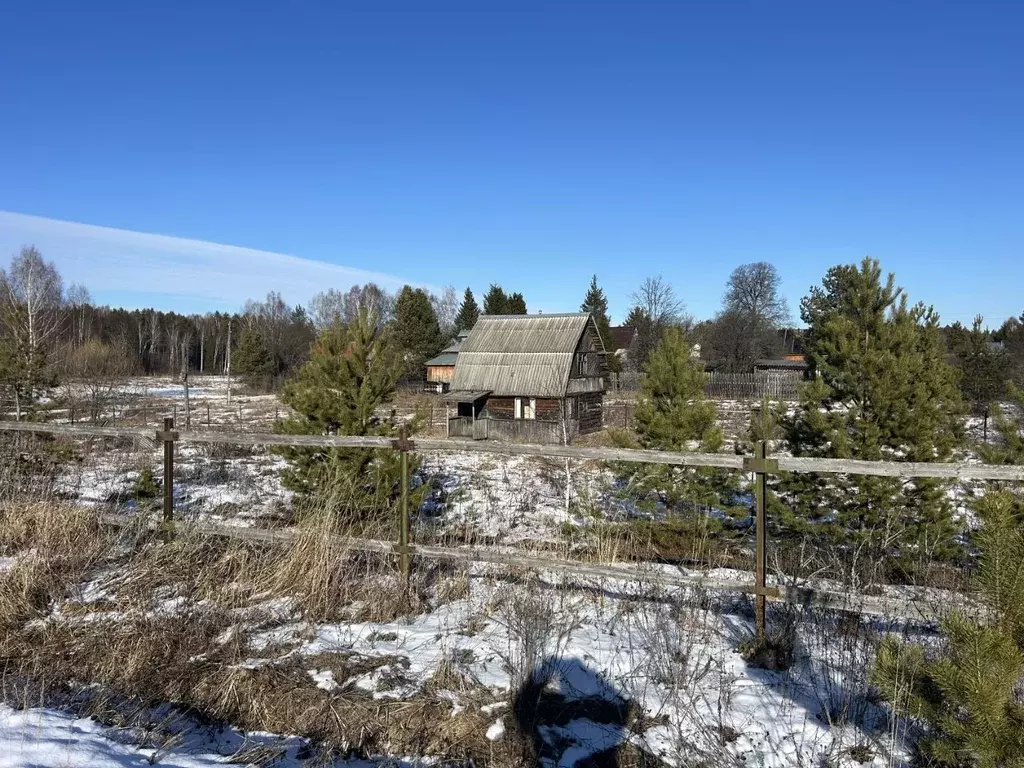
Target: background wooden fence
[(777, 385)]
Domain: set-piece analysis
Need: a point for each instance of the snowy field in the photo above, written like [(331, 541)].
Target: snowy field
[(46, 738), (672, 654)]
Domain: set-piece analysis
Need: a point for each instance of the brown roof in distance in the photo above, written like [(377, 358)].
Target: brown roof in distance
[(622, 336)]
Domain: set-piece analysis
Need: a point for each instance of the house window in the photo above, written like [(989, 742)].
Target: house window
[(581, 364), (526, 408)]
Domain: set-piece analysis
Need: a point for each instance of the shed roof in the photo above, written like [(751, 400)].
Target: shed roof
[(445, 358), (449, 354), (783, 363), (520, 354)]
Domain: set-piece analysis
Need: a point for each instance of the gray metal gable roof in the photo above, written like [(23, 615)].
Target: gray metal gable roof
[(526, 355)]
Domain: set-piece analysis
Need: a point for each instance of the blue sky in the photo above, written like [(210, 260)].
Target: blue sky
[(487, 142)]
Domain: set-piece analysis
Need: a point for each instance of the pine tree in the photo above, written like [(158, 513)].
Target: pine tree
[(495, 301), (673, 414), (468, 313), (516, 304), (596, 304), (351, 372), (253, 359), (984, 370), (1010, 449), (416, 330), (967, 695), (884, 392)]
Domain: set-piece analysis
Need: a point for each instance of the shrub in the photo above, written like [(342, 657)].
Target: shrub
[(967, 695)]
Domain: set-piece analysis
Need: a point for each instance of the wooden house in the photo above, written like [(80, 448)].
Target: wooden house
[(529, 378), (440, 369)]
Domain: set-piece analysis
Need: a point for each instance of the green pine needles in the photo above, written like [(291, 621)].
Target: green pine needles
[(673, 414), (968, 696), (884, 391), (350, 375)]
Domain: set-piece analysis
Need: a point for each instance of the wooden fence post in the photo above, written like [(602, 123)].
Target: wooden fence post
[(760, 465), (167, 437), (403, 445)]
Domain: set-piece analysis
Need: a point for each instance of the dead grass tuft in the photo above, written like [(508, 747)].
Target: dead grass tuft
[(54, 546)]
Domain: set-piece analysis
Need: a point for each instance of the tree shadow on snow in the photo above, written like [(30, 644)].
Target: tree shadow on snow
[(569, 715)]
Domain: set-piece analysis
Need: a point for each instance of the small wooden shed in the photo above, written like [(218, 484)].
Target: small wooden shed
[(531, 378), (440, 369)]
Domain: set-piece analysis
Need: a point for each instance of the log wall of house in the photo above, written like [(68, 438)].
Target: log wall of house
[(500, 408), (589, 414), (505, 408), (548, 409)]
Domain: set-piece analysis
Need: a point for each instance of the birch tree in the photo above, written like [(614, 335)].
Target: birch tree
[(31, 298)]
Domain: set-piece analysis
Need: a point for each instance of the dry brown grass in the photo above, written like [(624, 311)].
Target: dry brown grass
[(54, 546)]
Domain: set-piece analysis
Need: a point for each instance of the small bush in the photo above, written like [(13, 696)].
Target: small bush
[(145, 485)]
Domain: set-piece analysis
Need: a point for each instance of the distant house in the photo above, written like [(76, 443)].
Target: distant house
[(440, 369), (534, 378), (623, 338), (793, 367)]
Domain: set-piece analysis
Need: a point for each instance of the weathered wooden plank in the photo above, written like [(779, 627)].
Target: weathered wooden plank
[(906, 470), (75, 430), (889, 607), (903, 469)]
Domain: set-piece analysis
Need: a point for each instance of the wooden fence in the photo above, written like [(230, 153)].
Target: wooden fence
[(777, 385), (760, 465)]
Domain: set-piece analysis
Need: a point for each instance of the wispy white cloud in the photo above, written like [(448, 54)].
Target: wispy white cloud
[(138, 269)]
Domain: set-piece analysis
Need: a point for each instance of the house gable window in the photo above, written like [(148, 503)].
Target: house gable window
[(581, 364)]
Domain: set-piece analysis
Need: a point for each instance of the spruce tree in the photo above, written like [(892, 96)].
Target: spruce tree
[(468, 313), (516, 304), (967, 693), (253, 359), (351, 373), (495, 301), (596, 305), (884, 392), (416, 330)]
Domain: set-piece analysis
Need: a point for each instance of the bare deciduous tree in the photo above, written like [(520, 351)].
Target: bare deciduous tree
[(755, 289), (658, 301), (655, 308), (332, 306), (79, 301), (98, 370), (327, 309), (446, 307)]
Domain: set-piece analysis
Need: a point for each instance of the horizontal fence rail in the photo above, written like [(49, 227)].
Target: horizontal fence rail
[(908, 607), (907, 470)]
